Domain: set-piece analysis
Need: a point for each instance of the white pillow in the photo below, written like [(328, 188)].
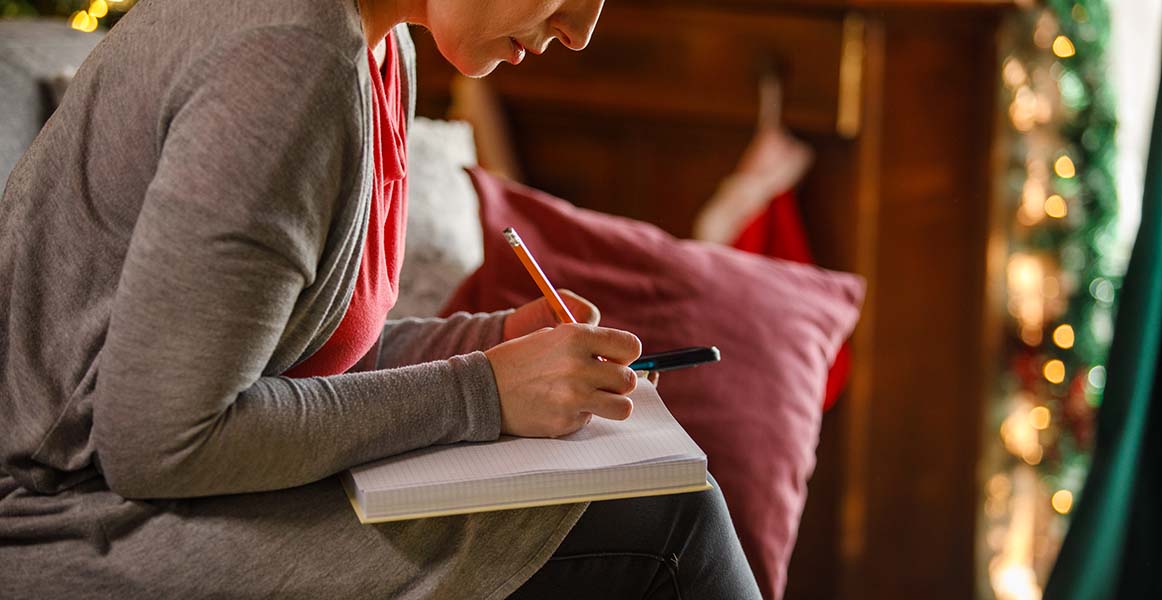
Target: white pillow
[(444, 243)]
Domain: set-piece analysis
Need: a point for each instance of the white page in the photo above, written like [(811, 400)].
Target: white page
[(649, 434)]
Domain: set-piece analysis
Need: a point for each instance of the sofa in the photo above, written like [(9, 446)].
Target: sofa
[(444, 257)]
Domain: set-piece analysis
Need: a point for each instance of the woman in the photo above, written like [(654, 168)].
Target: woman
[(196, 259)]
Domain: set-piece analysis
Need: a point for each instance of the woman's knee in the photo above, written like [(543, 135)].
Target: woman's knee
[(711, 563), (706, 510)]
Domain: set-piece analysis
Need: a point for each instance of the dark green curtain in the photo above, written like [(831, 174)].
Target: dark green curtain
[(1113, 549)]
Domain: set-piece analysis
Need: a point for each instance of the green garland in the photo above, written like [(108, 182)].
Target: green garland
[(1080, 244), (1084, 245), (1062, 270)]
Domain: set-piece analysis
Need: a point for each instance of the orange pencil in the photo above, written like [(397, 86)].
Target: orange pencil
[(538, 276)]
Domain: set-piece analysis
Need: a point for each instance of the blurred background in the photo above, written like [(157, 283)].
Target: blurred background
[(966, 156)]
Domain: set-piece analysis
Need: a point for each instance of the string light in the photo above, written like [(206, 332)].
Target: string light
[(1023, 110), (1060, 194), (1032, 201), (1063, 47), (1052, 287), (83, 21), (1039, 418), (1014, 73), (1064, 167), (98, 9), (1097, 377), (1055, 207), (1102, 290), (1034, 455), (1026, 280), (87, 20), (1054, 371), (999, 486)]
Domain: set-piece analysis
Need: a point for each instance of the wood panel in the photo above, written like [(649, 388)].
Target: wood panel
[(923, 432), (688, 63)]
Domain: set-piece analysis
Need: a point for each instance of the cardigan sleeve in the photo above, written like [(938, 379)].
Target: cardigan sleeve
[(415, 340), (233, 224)]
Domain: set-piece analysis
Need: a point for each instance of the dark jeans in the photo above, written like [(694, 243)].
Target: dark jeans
[(656, 547)]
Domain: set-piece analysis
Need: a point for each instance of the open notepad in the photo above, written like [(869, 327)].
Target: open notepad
[(646, 454)]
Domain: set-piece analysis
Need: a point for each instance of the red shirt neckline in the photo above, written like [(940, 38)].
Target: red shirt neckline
[(376, 285)]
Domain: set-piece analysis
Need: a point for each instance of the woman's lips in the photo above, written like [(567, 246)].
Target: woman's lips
[(518, 52)]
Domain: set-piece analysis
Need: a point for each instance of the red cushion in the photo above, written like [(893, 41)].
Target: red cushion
[(778, 232), (756, 413)]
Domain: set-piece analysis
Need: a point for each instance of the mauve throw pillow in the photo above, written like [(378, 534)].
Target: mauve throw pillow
[(756, 413)]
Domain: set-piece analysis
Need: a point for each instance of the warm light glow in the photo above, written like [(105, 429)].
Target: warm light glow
[(1011, 573), (80, 21), (1031, 336), (1064, 167), (1014, 73), (1063, 336), (1063, 47), (1024, 272), (98, 8), (1045, 30), (1054, 371), (1055, 207), (994, 508), (1026, 278), (996, 538), (1032, 201), (1051, 287), (1023, 112), (1062, 501), (1015, 582), (1039, 418), (1018, 435), (1034, 456), (999, 485)]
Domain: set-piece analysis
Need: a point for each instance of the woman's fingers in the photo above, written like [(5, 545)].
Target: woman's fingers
[(583, 310), (621, 347), (608, 384), (550, 383), (611, 377), (610, 406)]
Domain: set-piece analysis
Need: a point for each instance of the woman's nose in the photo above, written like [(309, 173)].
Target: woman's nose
[(575, 27)]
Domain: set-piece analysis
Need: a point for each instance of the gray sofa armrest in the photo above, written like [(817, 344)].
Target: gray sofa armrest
[(37, 59)]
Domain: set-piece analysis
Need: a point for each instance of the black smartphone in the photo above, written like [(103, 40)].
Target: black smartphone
[(676, 359)]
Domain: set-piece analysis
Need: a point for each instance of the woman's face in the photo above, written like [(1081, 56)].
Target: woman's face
[(477, 35)]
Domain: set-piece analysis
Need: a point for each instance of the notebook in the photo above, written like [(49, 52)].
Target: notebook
[(645, 455)]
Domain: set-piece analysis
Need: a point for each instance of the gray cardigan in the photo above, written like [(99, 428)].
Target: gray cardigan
[(189, 225)]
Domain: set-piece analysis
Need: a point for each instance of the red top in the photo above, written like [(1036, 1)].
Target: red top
[(377, 284)]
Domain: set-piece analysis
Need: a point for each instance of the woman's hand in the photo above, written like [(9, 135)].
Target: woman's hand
[(538, 314), (551, 383)]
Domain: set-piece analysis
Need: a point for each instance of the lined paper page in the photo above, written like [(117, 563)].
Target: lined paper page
[(650, 434)]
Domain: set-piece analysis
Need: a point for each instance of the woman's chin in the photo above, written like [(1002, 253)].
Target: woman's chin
[(476, 70)]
